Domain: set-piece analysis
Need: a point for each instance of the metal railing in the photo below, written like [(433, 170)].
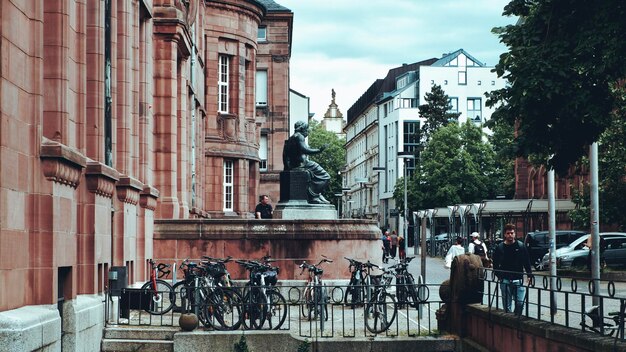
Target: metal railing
[(570, 303), (343, 320), (578, 303)]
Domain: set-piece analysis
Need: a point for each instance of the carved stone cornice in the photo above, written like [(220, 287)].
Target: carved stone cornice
[(128, 189), (61, 163), (148, 197), (170, 24), (101, 178)]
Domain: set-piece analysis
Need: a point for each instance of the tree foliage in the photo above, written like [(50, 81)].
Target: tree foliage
[(612, 175), (563, 56), (436, 112), (504, 160), (332, 159), (457, 166)]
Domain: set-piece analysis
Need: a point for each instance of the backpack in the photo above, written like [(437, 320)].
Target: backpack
[(479, 249)]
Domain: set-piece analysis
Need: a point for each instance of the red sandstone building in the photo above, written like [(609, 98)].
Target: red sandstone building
[(116, 113)]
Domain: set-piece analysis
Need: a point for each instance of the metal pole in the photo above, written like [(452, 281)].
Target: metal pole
[(406, 211), (595, 220), (552, 229)]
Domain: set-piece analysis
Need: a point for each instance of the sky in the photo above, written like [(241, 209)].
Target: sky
[(346, 45)]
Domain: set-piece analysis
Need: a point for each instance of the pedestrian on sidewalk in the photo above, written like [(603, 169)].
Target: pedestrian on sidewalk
[(510, 260), (386, 246), (478, 247), (455, 249), (401, 247), (394, 244)]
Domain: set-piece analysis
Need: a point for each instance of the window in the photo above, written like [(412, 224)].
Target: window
[(411, 141), (474, 110), (402, 82), (222, 84), (453, 104), (462, 77), (263, 153), (261, 35), (261, 88), (228, 185)]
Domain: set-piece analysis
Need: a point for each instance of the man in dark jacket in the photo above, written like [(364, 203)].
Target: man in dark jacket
[(510, 259)]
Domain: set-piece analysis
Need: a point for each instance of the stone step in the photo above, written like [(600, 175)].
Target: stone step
[(137, 333), (125, 345)]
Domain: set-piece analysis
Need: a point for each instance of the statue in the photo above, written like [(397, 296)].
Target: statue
[(295, 158)]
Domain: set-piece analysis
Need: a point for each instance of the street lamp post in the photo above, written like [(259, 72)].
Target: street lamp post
[(378, 170), (362, 181), (407, 156)]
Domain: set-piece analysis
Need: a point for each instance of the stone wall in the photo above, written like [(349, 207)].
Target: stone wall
[(289, 241)]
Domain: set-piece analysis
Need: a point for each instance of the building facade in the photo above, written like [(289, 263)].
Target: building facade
[(394, 102), (114, 114)]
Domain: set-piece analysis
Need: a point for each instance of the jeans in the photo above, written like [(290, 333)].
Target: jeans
[(513, 290)]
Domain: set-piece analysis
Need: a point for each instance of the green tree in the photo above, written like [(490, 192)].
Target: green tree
[(563, 57), (612, 175), (436, 112), (504, 160), (332, 159), (457, 166)]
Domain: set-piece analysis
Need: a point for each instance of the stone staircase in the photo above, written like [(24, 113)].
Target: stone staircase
[(137, 338)]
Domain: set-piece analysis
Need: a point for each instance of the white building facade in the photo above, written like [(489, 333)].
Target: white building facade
[(389, 111)]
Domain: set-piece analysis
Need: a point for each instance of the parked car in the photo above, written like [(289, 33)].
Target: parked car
[(538, 244), (576, 254), (614, 255), (579, 243)]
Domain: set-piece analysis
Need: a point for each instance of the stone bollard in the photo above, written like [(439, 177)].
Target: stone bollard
[(445, 294)]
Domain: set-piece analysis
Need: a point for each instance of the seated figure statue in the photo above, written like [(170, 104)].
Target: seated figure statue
[(295, 158)]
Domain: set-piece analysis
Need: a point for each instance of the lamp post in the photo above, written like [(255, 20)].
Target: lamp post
[(362, 181), (377, 170), (406, 156)]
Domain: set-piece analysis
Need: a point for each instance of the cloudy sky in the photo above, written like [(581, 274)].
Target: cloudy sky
[(348, 44)]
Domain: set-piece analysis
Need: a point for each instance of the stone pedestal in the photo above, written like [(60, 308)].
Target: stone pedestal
[(295, 210), (293, 204), (293, 187)]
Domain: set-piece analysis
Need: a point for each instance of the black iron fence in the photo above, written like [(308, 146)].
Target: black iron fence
[(597, 306), (297, 313), (578, 303)]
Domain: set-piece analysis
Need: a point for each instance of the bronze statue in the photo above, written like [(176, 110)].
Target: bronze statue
[(295, 158)]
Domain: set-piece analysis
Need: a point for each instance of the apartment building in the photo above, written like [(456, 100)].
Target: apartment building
[(389, 111)]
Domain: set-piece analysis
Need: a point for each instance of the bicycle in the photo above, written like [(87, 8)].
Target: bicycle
[(217, 307), (160, 291), (359, 288), (377, 311), (605, 326), (315, 293), (406, 290), (261, 300)]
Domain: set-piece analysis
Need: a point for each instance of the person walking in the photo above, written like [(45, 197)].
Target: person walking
[(401, 248), (455, 249), (394, 244), (510, 260), (476, 246), (263, 210), (386, 246)]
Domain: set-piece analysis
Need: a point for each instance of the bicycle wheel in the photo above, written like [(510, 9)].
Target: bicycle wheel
[(411, 297), (354, 293), (307, 304), (276, 311), (226, 308), (161, 297), (181, 299), (253, 306), (380, 312)]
